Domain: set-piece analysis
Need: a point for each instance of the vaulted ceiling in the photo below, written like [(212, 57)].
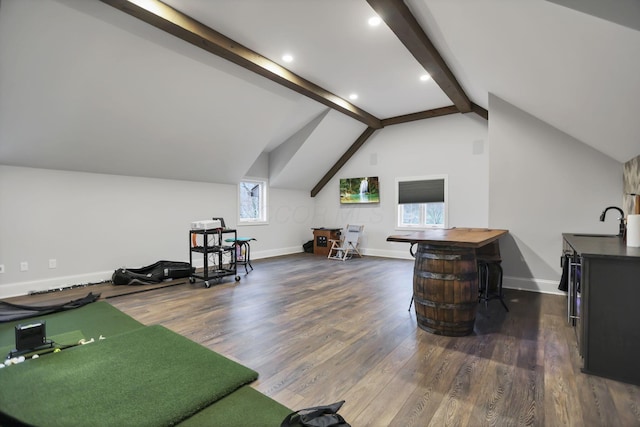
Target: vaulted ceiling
[(87, 87)]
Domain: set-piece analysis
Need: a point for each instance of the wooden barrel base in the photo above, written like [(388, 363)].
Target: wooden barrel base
[(445, 289), (459, 328)]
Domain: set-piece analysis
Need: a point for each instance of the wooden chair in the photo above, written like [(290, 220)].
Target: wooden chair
[(348, 244)]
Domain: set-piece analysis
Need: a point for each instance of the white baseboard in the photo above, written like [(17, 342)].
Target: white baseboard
[(388, 254), (276, 252), (531, 284), (54, 283), (24, 288)]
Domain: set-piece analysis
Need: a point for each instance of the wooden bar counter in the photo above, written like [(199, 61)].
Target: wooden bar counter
[(445, 278)]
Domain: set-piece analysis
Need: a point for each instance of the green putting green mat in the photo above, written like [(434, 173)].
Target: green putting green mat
[(149, 376), (91, 320), (245, 407)]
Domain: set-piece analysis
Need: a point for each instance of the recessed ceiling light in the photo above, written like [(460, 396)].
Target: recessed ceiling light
[(353, 96), (374, 21), (425, 77), (287, 57)]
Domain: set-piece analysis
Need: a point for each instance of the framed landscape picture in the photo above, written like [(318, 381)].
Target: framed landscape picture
[(359, 190)]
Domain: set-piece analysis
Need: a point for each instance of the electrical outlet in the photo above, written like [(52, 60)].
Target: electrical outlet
[(24, 266), (53, 263), (1, 268)]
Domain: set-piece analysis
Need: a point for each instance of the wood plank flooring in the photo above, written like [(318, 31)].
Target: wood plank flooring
[(319, 331)]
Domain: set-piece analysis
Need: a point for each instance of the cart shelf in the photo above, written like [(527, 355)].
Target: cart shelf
[(219, 260)]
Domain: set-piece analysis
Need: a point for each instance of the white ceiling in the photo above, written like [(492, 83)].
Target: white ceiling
[(575, 71), (86, 87), (333, 46)]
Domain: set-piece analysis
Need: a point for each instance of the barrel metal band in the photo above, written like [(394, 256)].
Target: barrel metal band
[(464, 323), (454, 256), (468, 276), (448, 306)]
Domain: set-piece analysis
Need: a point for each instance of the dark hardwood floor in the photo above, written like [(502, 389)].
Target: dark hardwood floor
[(319, 331)]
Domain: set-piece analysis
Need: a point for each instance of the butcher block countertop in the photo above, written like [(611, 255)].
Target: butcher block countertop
[(464, 237)]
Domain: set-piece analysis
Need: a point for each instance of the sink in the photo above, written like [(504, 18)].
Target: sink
[(595, 235)]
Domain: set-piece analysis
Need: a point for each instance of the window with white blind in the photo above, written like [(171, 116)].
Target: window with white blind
[(422, 202)]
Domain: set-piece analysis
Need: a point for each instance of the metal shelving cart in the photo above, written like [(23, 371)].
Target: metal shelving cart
[(219, 259)]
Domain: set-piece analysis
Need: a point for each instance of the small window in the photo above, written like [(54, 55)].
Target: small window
[(422, 202), (252, 199)]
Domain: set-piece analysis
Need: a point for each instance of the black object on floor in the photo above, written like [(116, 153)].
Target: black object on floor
[(9, 312), (154, 273)]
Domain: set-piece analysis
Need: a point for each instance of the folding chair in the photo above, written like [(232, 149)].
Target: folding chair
[(347, 246)]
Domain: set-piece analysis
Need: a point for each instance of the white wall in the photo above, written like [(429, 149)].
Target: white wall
[(543, 183), (455, 145), (531, 179), (93, 224)]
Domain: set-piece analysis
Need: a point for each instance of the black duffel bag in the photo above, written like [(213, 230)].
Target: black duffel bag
[(318, 416), (154, 273)]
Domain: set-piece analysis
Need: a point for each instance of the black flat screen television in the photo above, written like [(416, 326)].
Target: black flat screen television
[(359, 190)]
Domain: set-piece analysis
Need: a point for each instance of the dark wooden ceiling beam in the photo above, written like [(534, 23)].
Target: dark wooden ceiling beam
[(480, 111), (188, 29), (343, 160), (394, 12), (428, 114), (436, 112), (399, 19)]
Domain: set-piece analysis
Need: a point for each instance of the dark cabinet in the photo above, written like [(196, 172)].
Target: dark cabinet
[(608, 319), (611, 318)]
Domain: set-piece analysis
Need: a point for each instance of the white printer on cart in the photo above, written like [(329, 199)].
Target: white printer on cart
[(206, 224)]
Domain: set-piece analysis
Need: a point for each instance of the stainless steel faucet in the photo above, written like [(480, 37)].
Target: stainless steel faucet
[(622, 226)]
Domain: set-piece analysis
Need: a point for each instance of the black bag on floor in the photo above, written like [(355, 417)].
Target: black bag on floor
[(308, 247), (154, 273), (10, 312), (564, 279), (318, 416)]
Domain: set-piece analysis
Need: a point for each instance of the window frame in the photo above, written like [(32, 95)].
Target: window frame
[(423, 206), (263, 207)]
